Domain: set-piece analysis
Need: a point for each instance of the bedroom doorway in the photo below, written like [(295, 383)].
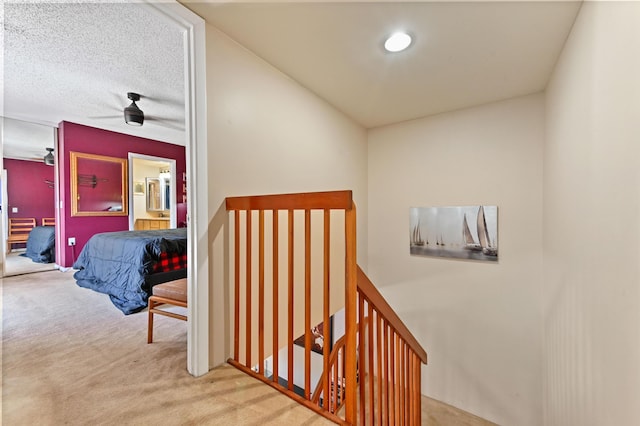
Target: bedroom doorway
[(152, 192)]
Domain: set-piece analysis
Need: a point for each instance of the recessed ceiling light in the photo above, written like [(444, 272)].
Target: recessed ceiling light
[(397, 42)]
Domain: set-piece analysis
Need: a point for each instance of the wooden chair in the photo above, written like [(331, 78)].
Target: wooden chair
[(48, 221), (19, 229), (169, 293)]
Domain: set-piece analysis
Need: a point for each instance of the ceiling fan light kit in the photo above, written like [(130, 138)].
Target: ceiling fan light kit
[(132, 114)]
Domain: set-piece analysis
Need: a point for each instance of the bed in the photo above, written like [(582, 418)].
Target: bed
[(41, 244), (126, 265)]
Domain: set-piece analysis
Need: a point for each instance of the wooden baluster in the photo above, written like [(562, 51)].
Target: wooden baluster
[(412, 388), (416, 385), (400, 401), (361, 365), (409, 379), (386, 373), (261, 292), (276, 343), (415, 372), (338, 376), (370, 368), (290, 300), (307, 304), (236, 271), (403, 384), (379, 366), (326, 350), (392, 388), (397, 409), (248, 290)]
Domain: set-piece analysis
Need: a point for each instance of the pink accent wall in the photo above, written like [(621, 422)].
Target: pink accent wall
[(79, 138), (28, 191)]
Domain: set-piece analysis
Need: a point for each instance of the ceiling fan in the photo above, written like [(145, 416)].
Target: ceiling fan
[(134, 116), (49, 159)]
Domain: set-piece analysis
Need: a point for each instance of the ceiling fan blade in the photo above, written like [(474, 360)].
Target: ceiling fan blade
[(99, 117), (165, 101), (164, 123), (119, 100)]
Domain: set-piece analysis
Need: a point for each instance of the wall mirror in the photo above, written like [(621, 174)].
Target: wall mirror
[(154, 195), (98, 185), (158, 194)]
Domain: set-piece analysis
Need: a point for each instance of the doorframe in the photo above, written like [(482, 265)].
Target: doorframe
[(4, 220), (197, 182), (173, 202)]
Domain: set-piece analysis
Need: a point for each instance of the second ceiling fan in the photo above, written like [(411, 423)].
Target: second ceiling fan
[(132, 114)]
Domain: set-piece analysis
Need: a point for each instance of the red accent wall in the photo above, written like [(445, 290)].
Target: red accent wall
[(79, 138), (27, 189)]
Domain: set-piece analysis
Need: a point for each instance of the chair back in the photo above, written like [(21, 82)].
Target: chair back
[(21, 226), (48, 221)]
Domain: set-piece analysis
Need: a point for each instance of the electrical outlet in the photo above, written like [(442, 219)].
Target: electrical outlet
[(72, 241)]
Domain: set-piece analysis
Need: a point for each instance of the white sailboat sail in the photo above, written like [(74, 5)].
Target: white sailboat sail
[(469, 242), (483, 234), (416, 236)]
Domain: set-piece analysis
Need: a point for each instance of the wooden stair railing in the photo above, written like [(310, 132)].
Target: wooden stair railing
[(282, 280), (391, 358)]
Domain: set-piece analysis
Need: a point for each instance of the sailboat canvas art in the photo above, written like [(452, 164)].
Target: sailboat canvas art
[(466, 232)]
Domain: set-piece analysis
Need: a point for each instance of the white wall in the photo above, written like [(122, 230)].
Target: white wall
[(592, 222), (479, 322), (267, 134)]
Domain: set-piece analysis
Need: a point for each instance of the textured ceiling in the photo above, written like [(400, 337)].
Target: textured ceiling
[(77, 61), (463, 54)]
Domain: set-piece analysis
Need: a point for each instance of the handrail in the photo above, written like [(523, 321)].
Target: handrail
[(386, 311), (332, 200)]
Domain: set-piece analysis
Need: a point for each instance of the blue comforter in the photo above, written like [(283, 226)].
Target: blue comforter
[(118, 263), (41, 247)]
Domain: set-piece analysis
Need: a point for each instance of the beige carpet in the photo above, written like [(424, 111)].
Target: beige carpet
[(17, 265), (70, 357)]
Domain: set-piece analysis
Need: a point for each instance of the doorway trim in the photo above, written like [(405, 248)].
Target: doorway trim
[(4, 221), (197, 183)]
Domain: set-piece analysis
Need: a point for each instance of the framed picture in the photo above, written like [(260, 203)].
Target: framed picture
[(466, 232), (317, 337), (138, 188)]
